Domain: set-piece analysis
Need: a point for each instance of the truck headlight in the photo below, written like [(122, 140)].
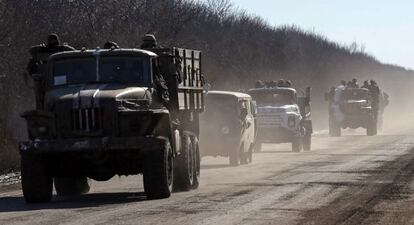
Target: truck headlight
[(291, 121), (225, 130)]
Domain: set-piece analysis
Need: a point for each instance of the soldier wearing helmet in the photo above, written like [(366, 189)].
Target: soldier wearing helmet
[(354, 83), (110, 45), (149, 41)]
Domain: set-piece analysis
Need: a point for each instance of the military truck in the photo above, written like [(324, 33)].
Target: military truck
[(351, 108), (283, 117), (114, 112)]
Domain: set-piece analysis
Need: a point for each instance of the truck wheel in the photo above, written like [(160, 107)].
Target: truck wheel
[(196, 176), (184, 166), (307, 142), (158, 172), (334, 128), (297, 144), (234, 157), (372, 128), (37, 184), (71, 186)]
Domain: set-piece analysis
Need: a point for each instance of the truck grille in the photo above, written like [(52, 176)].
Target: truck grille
[(87, 119), (270, 121)]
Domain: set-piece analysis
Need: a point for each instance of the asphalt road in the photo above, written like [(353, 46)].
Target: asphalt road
[(352, 179)]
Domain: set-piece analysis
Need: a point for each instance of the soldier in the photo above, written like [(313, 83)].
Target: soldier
[(366, 85), (149, 41), (288, 83), (53, 46), (354, 83), (37, 64), (259, 84), (280, 83), (342, 83), (111, 45)]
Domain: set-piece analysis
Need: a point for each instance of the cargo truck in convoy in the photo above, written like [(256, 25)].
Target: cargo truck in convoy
[(351, 108), (283, 117), (107, 112)]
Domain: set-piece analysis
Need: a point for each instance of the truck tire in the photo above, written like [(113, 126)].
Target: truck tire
[(307, 142), (234, 157), (158, 172), (334, 128), (372, 128), (297, 144), (37, 184), (71, 186), (184, 166), (196, 176)]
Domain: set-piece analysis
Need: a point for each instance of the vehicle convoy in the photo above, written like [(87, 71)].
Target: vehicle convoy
[(283, 117), (227, 127), (109, 112), (351, 108)]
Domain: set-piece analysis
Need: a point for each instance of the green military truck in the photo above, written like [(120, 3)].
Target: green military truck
[(114, 112)]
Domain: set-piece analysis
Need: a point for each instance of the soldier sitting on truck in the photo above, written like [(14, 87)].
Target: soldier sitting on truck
[(110, 45), (37, 64), (366, 85), (259, 84), (149, 41), (354, 83), (53, 46)]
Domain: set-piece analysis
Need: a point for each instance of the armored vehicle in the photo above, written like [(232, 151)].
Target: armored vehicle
[(114, 112), (228, 127), (283, 117), (351, 108)]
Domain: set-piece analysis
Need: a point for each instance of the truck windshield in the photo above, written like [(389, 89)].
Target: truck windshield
[(273, 99), (110, 69), (221, 104)]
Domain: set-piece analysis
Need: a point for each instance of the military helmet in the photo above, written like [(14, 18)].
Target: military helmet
[(149, 40), (53, 40)]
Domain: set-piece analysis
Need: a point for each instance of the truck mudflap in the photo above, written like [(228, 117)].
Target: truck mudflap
[(103, 144)]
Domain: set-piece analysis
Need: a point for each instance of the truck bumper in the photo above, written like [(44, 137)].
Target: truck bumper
[(276, 135), (85, 145)]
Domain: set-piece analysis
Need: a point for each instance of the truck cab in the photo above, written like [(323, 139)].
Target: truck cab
[(282, 117), (115, 112)]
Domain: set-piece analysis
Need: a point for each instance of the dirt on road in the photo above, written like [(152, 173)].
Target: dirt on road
[(352, 179)]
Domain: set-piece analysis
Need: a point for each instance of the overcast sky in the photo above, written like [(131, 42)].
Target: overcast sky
[(385, 28)]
